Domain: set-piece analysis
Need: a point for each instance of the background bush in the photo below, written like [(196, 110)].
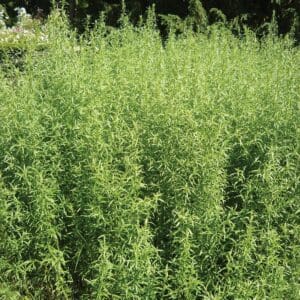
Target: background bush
[(130, 169)]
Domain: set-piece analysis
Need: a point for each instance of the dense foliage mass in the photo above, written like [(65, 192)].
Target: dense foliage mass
[(254, 13), (136, 169)]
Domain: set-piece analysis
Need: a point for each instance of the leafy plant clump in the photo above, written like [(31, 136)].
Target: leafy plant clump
[(136, 169)]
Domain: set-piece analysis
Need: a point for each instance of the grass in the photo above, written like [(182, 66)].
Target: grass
[(136, 169)]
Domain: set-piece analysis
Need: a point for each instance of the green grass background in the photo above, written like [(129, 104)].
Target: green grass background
[(136, 169)]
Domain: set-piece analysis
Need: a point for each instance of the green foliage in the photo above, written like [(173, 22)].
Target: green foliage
[(196, 19), (133, 169), (195, 12), (173, 23)]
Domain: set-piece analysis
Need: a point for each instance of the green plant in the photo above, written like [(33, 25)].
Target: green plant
[(136, 169)]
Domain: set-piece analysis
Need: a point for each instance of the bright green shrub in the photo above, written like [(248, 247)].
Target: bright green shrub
[(135, 170)]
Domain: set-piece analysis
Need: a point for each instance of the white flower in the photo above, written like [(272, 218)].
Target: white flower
[(22, 14), (21, 11), (2, 18)]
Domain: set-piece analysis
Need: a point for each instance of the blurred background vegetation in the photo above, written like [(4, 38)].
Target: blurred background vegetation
[(176, 13)]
